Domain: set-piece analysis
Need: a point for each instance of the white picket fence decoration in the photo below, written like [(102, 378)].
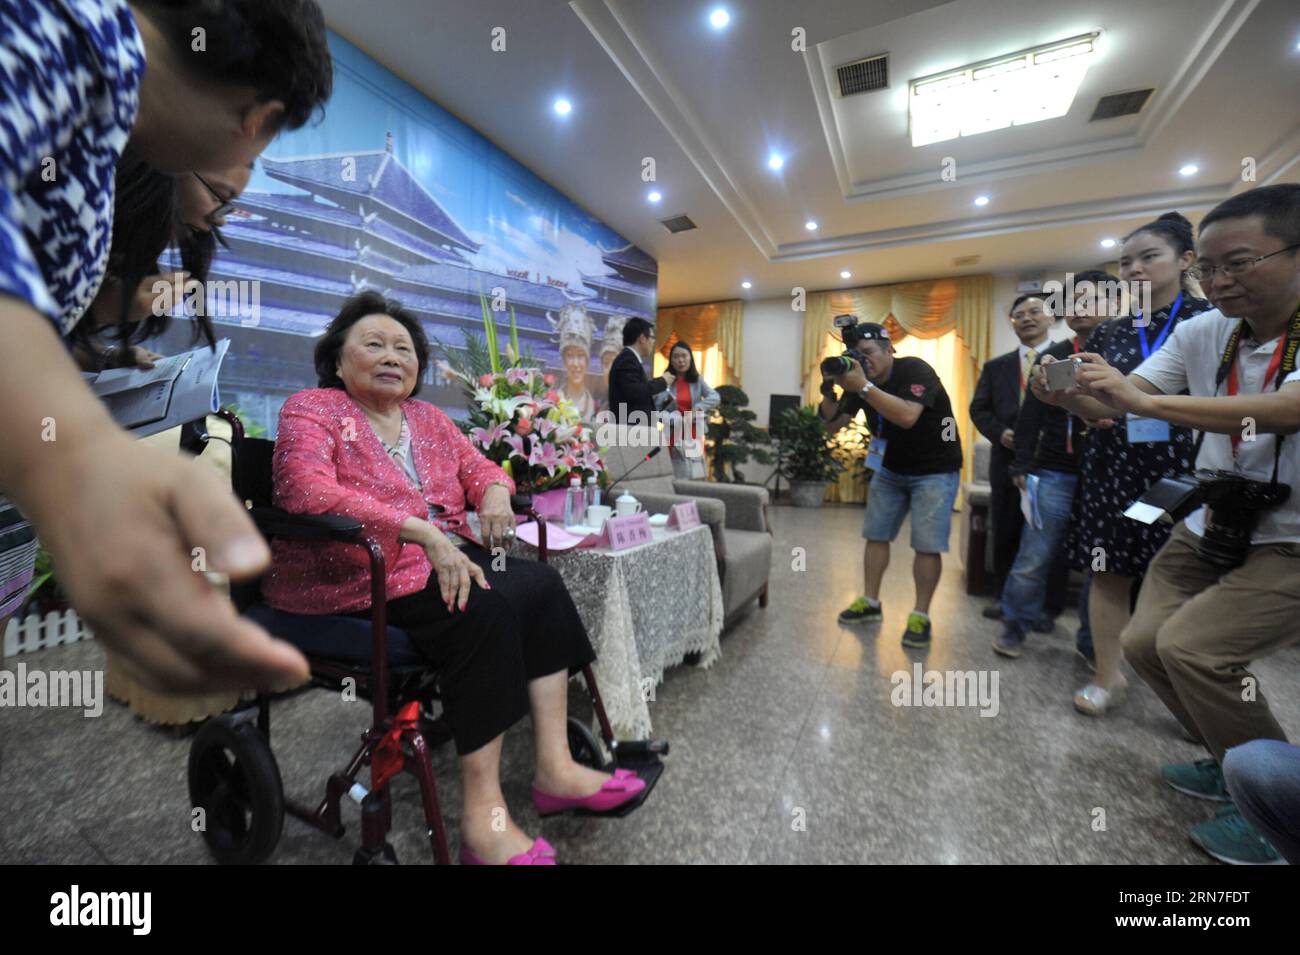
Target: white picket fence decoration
[(35, 632)]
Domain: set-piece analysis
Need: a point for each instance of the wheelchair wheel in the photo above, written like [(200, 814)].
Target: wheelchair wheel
[(234, 779), (583, 745)]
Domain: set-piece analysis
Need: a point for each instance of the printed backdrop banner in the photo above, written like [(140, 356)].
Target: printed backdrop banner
[(391, 192)]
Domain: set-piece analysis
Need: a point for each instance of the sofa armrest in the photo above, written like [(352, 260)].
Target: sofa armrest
[(746, 504)]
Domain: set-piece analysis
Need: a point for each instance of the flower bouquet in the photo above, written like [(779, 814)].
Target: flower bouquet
[(520, 421)]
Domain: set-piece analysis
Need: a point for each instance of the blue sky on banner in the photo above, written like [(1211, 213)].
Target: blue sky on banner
[(521, 222)]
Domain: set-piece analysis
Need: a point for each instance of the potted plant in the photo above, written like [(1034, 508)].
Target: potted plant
[(735, 437), (805, 456)]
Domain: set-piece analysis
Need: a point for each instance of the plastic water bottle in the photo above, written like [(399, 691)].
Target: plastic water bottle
[(573, 510), (593, 492)]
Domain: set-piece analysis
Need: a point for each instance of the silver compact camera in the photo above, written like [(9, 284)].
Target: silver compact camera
[(1060, 374)]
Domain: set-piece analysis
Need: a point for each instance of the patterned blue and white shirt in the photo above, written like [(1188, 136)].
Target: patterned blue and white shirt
[(70, 73)]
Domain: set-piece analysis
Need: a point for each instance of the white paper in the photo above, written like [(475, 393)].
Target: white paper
[(1146, 513), (1029, 502), (177, 390)]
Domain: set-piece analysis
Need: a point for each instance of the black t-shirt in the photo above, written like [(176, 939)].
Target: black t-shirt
[(922, 448)]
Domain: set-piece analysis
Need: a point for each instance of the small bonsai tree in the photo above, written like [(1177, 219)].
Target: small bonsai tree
[(736, 439)]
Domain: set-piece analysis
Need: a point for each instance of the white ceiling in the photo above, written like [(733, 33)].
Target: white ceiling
[(649, 78)]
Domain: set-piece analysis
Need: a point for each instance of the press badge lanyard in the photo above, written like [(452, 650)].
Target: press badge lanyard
[(1280, 366), (1147, 349)]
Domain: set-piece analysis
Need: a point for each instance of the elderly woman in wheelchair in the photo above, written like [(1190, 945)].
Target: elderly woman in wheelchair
[(504, 639)]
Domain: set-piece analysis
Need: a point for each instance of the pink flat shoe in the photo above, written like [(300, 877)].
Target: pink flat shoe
[(623, 787), (540, 853)]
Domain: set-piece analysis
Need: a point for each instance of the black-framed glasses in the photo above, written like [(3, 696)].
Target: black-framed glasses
[(224, 206), (1239, 267)]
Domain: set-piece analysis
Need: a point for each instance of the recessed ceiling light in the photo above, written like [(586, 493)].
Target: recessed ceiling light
[(1108, 243), (563, 106), (1191, 169), (719, 18), (746, 284), (846, 274), (775, 161), (981, 200), (655, 195), (1023, 87), (811, 225)]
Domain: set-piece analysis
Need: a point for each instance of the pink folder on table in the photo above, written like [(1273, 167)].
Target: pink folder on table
[(557, 538)]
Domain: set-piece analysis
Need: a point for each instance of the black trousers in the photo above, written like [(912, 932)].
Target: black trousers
[(525, 627)]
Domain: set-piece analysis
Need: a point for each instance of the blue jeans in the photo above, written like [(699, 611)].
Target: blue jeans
[(1025, 591), (1263, 777)]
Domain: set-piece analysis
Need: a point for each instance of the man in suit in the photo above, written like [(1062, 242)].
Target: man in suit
[(630, 392), (994, 409)]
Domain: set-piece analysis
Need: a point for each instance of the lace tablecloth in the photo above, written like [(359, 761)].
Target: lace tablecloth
[(645, 608)]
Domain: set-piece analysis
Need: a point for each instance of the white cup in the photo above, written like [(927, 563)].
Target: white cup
[(598, 514), (627, 505)]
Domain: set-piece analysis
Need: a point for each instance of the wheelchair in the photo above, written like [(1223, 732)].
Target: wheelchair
[(232, 773)]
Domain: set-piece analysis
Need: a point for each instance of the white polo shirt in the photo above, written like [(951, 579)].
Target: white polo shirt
[(1188, 362)]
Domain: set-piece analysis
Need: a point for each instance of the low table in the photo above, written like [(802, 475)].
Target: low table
[(645, 609)]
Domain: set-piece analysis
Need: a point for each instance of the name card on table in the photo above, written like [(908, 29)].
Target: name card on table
[(620, 533), (684, 516)]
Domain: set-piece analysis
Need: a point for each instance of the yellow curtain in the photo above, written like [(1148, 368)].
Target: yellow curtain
[(917, 314), (714, 331)]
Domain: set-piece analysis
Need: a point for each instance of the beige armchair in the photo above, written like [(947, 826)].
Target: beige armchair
[(736, 513)]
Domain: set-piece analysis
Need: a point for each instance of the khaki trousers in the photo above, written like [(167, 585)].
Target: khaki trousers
[(1194, 634)]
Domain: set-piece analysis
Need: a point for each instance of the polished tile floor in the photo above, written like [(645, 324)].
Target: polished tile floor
[(788, 750)]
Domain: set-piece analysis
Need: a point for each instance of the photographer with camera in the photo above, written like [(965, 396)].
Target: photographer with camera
[(915, 453), (1225, 589)]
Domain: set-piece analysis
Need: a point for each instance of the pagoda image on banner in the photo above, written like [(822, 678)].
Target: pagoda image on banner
[(361, 221)]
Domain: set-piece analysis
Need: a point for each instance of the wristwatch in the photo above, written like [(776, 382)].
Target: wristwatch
[(867, 389)]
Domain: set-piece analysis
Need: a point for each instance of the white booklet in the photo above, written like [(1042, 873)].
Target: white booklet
[(177, 390)]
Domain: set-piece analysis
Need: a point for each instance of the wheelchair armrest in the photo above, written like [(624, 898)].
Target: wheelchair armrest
[(274, 522)]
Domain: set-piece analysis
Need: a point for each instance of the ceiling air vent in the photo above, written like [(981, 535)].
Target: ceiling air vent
[(965, 260), (675, 224), (864, 76), (1121, 104)]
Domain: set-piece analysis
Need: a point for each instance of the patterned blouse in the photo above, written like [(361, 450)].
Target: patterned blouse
[(70, 73)]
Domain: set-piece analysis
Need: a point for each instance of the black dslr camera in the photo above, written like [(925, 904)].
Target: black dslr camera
[(850, 333), (1234, 504)]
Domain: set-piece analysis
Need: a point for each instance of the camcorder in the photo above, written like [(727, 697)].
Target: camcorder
[(1233, 507)]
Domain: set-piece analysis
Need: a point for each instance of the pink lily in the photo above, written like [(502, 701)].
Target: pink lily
[(517, 447), (486, 437), (544, 455)]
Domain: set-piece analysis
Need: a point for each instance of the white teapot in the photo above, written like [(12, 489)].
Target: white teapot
[(626, 505)]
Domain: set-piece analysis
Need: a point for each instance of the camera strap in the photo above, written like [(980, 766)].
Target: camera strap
[(1282, 364)]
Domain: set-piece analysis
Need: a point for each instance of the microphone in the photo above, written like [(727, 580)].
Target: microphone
[(628, 473)]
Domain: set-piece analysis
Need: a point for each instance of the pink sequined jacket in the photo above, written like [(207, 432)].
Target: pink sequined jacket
[(328, 460)]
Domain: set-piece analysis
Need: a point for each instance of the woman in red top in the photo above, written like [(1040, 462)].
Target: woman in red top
[(505, 641), (690, 399)]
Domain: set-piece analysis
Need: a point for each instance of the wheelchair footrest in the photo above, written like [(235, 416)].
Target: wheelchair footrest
[(648, 767)]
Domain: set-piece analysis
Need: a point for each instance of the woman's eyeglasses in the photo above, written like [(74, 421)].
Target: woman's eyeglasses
[(224, 206)]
